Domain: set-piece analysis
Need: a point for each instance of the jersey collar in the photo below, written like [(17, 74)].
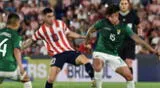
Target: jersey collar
[(124, 13)]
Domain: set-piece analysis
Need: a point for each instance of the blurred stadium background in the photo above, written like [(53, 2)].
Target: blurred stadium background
[(79, 15)]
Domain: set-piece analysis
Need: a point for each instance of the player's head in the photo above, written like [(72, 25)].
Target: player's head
[(48, 16), (124, 5), (112, 14), (13, 21)]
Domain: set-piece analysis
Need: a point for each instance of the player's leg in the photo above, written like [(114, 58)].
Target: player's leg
[(98, 64), (129, 62), (57, 63), (77, 58), (98, 68), (82, 59), (126, 73), (119, 66), (126, 52), (129, 56), (52, 76)]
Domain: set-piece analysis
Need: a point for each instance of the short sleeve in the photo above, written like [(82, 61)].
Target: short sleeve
[(37, 35), (17, 40), (128, 31), (98, 25)]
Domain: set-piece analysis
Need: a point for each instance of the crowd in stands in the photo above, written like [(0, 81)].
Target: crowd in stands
[(78, 15)]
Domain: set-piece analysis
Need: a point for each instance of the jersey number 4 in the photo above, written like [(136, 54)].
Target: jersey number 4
[(3, 49)]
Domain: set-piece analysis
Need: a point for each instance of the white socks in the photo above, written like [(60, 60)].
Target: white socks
[(28, 84), (130, 84), (98, 78)]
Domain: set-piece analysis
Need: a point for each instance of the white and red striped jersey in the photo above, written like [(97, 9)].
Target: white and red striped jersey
[(54, 37)]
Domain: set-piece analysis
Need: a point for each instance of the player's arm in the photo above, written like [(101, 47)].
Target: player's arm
[(27, 43), (71, 34), (75, 35), (95, 27), (37, 36), (89, 32), (138, 40), (17, 54)]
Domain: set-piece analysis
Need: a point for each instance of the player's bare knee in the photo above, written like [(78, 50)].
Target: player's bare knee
[(129, 77), (81, 59), (97, 68), (97, 65)]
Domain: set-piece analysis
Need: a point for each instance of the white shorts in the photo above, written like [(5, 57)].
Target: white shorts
[(113, 61), (15, 75)]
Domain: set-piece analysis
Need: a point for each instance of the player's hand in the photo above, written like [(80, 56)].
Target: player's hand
[(154, 51), (22, 72), (88, 46), (23, 75)]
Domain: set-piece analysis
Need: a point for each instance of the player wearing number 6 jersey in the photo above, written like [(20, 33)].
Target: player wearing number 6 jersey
[(111, 35), (54, 33), (10, 54)]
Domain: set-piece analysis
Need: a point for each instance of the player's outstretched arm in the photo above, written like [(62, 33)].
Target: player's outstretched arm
[(27, 43), (138, 40), (75, 35), (89, 32)]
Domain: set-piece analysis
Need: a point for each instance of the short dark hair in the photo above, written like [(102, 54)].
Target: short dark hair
[(12, 17), (47, 10), (112, 9)]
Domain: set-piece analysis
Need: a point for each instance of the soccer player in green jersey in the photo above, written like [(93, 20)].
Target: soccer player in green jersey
[(10, 53), (111, 35)]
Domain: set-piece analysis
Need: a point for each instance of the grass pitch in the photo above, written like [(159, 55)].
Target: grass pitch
[(40, 84)]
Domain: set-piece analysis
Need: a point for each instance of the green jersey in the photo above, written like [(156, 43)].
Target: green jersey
[(9, 39), (110, 37)]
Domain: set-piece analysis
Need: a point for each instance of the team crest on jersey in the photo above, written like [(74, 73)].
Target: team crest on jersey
[(118, 31)]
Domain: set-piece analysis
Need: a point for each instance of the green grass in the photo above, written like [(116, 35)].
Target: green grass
[(40, 84)]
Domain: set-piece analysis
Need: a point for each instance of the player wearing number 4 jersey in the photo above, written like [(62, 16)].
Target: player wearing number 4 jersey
[(10, 54), (111, 35), (54, 33)]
